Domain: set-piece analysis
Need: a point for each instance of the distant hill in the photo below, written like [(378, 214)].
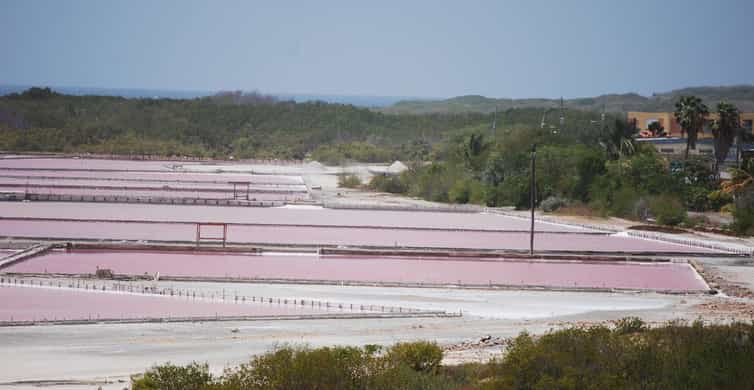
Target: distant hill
[(138, 93), (742, 96)]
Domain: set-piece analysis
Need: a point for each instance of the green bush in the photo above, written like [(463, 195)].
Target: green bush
[(667, 210), (718, 199), (698, 198), (433, 182), (513, 192), (387, 183), (194, 376), (743, 212), (467, 191), (629, 355), (629, 325), (349, 180), (624, 203), (552, 203), (420, 356), (743, 220), (303, 368)]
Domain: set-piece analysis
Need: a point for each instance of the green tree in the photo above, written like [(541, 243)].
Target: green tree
[(690, 113), (619, 140), (194, 376), (724, 130), (472, 152)]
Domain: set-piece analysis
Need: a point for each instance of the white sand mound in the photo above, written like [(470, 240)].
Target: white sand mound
[(315, 166), (396, 168)]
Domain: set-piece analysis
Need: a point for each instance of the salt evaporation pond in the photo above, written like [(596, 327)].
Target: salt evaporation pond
[(165, 176), (647, 276), (40, 303), (171, 194), (277, 215), (335, 236), (88, 164), (128, 184)]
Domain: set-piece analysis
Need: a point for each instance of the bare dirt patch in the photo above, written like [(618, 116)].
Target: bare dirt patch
[(658, 228), (736, 309)]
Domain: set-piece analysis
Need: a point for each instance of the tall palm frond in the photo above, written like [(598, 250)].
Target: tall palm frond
[(690, 112), (724, 130)]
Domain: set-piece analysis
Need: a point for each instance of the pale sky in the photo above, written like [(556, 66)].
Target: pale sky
[(517, 49)]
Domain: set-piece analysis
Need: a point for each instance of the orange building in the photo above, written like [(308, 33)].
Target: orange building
[(671, 126)]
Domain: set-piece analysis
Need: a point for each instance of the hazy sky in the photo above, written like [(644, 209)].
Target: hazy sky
[(391, 48)]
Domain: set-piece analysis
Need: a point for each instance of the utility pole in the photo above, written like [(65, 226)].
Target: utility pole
[(337, 124), (532, 195), (494, 125), (562, 116), (544, 119)]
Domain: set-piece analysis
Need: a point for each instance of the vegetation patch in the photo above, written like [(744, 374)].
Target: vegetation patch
[(349, 180), (627, 355)]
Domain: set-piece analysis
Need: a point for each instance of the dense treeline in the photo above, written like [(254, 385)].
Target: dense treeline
[(231, 124), (595, 168), (221, 126), (628, 355), (604, 170)]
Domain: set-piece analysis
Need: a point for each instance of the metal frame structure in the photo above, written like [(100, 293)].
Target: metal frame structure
[(241, 183), (200, 238)]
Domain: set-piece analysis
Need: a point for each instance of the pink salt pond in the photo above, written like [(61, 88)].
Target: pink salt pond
[(587, 275), (340, 235), (42, 303)]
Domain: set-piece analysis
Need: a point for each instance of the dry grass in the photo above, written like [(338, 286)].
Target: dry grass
[(580, 210)]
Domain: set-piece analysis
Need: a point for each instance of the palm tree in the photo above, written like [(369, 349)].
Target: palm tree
[(690, 113), (619, 140), (472, 148), (724, 131)]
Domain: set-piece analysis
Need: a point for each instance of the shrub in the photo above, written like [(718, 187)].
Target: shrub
[(624, 203), (420, 356), (385, 183), (349, 180), (675, 356), (194, 376), (697, 198), (667, 209), (743, 220), (467, 191), (718, 199), (403, 377), (513, 192), (552, 203), (404, 366), (628, 356), (460, 192), (303, 368), (432, 182), (629, 325), (695, 221), (743, 213)]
